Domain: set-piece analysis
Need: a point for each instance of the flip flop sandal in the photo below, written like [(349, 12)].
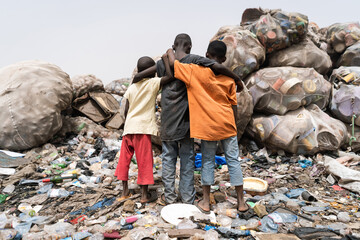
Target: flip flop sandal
[(200, 208), (153, 197), (162, 200), (123, 197)]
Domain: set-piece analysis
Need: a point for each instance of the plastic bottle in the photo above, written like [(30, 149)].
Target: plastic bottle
[(238, 222), (224, 221), (283, 217), (227, 212), (314, 209), (127, 227), (45, 188), (23, 227), (59, 193), (27, 210), (268, 225), (86, 179), (252, 224), (61, 160), (59, 165), (130, 219)]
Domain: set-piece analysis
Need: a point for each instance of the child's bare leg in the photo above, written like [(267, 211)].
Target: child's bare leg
[(242, 206), (125, 191), (205, 202), (144, 193)]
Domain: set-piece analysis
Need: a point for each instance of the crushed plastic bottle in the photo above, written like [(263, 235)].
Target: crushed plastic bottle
[(268, 225), (186, 224), (45, 188), (283, 217), (238, 222), (130, 219), (314, 209), (224, 221), (59, 193), (59, 230), (230, 212), (294, 193)]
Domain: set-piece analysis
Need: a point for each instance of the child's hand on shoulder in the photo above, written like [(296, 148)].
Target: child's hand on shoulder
[(240, 86)]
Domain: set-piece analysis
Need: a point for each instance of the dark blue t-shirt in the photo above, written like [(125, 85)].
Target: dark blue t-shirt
[(175, 124)]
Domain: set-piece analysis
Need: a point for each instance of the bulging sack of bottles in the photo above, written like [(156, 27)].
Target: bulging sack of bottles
[(281, 89), (244, 52), (303, 131), (351, 56), (32, 96), (345, 103), (342, 35), (118, 87), (316, 36), (275, 29), (86, 83), (350, 75), (304, 54), (245, 110)]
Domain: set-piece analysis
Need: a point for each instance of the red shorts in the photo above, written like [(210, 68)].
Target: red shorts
[(141, 144)]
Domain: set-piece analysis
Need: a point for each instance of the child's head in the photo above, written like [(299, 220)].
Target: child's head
[(182, 42), (216, 51), (144, 63)]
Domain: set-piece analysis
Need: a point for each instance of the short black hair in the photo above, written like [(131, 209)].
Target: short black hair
[(144, 63), (217, 48), (182, 38)]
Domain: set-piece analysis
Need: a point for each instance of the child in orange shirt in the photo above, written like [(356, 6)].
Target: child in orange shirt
[(212, 106)]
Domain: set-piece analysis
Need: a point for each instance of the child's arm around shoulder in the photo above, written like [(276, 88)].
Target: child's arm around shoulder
[(217, 67), (169, 75), (143, 74)]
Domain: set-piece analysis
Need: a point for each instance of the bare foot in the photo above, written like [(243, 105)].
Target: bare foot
[(205, 206), (149, 197), (242, 206), (125, 193)]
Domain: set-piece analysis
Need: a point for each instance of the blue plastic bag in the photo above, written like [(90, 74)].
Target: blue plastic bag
[(219, 160), (304, 163), (294, 193)]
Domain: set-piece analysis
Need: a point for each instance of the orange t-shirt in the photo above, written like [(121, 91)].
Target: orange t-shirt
[(210, 99)]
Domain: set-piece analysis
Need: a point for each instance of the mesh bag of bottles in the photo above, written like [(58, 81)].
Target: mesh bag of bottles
[(346, 75), (118, 87), (303, 131), (275, 29), (345, 103), (279, 90), (316, 36), (244, 52), (245, 110), (351, 56), (86, 83), (32, 96), (342, 35), (304, 54)]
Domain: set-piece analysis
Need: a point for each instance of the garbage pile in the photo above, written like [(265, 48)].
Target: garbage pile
[(299, 152)]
